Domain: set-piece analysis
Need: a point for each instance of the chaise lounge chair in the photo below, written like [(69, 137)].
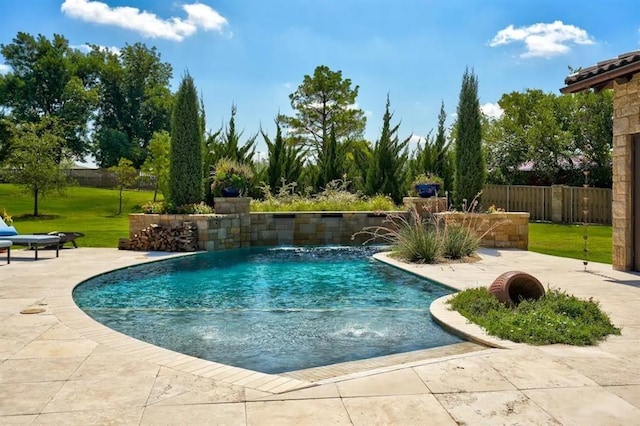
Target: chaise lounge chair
[(9, 233), (6, 245), (65, 237)]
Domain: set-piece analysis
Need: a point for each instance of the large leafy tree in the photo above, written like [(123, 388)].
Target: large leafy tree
[(558, 136), (32, 161), (529, 130), (591, 127), (185, 171), (50, 80), (325, 102), (135, 100), (386, 174), (470, 165)]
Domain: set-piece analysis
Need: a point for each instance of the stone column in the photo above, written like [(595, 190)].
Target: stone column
[(237, 206)]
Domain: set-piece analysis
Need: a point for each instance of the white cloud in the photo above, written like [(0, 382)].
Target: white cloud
[(86, 48), (491, 110), (199, 16), (415, 139), (4, 68), (543, 40)]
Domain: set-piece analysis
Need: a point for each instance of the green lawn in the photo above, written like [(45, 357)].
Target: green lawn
[(91, 211), (567, 241)]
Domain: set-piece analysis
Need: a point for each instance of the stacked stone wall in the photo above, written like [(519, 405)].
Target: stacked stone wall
[(626, 123)]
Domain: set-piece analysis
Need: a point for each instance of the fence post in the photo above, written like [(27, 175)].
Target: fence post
[(557, 203)]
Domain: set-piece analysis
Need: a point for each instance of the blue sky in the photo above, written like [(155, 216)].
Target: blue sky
[(256, 52)]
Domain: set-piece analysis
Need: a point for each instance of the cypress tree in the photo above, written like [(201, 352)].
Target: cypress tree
[(470, 167), (285, 160), (386, 173), (185, 172)]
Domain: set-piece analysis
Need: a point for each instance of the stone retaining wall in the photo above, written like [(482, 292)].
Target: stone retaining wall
[(215, 231), (497, 230), (312, 228), (238, 228)]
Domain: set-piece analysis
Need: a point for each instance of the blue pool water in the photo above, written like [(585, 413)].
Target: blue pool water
[(270, 310)]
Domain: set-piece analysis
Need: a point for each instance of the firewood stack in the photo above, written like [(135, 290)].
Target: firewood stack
[(166, 238)]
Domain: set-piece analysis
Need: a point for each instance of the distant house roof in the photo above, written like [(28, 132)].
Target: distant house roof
[(77, 166), (601, 75)]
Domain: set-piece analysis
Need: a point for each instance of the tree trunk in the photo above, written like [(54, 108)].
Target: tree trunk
[(120, 205), (155, 191), (35, 201)]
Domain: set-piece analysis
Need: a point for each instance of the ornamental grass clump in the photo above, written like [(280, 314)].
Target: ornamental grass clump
[(430, 239), (557, 317), (459, 241), (416, 241)]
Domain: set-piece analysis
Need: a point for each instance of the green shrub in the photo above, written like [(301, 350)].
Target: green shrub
[(151, 207), (165, 207), (195, 208), (555, 318)]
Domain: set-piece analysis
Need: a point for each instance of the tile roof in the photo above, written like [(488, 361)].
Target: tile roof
[(604, 67)]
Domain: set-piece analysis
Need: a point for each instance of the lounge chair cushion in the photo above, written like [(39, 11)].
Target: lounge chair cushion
[(29, 240), (6, 230)]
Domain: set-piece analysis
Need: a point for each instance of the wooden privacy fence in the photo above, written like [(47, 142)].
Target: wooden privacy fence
[(519, 198), (102, 178), (556, 203), (598, 205)]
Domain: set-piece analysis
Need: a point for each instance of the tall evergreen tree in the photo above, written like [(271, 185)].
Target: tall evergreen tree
[(386, 174), (225, 143), (285, 160), (470, 166), (185, 172), (440, 144), (330, 161)]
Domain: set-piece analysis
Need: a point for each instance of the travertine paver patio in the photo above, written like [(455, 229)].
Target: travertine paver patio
[(60, 367)]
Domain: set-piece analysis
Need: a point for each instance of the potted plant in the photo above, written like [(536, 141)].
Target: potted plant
[(427, 185), (230, 178)]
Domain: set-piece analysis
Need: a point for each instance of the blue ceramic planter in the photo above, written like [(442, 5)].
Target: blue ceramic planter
[(427, 190), (230, 192)]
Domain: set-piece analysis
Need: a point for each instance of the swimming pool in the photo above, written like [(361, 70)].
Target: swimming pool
[(270, 309)]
